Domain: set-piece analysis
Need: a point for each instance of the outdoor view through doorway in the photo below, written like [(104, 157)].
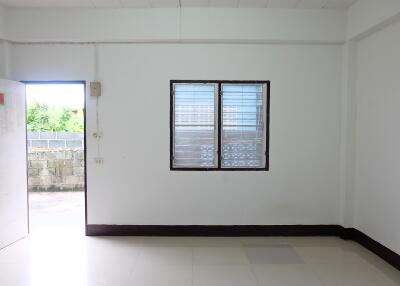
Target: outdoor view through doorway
[(56, 156)]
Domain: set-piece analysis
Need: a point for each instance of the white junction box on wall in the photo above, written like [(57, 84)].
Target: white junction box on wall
[(95, 88)]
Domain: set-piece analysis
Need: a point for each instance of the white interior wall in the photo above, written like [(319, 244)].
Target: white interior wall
[(368, 16), (135, 185), (312, 127), (377, 181), (3, 59), (2, 22), (108, 25), (348, 131), (3, 46)]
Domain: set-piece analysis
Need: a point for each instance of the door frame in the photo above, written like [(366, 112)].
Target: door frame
[(38, 82)]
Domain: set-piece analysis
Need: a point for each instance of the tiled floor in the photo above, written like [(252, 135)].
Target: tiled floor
[(67, 258), (57, 253)]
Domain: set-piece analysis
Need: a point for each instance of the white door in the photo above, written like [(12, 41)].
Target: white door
[(13, 177)]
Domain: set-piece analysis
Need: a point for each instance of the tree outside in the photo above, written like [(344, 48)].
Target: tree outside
[(42, 117)]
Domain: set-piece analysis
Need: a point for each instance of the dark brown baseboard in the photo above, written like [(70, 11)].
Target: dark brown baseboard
[(213, 230), (372, 245), (247, 230)]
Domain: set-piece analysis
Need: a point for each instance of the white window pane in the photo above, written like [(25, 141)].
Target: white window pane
[(243, 126), (194, 124)]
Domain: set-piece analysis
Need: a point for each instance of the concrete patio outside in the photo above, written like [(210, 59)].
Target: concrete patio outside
[(56, 211)]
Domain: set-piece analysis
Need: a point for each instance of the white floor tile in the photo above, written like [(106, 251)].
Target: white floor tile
[(71, 259), (15, 273), (110, 261), (286, 275), (219, 255), (165, 255), (166, 275), (352, 275), (272, 254), (216, 241), (223, 275), (328, 254)]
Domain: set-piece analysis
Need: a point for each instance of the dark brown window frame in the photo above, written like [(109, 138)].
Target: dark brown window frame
[(219, 83)]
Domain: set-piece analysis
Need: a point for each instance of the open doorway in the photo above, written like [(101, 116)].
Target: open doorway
[(56, 156)]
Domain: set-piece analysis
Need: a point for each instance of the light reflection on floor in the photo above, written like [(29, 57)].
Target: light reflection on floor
[(59, 254)]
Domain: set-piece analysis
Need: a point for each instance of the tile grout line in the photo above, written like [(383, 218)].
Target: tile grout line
[(134, 266), (242, 245), (192, 248), (316, 274), (254, 274)]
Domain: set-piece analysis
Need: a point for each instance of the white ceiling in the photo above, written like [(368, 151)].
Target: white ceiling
[(301, 4)]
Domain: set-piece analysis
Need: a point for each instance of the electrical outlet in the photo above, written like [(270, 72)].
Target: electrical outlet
[(98, 134), (99, 160)]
